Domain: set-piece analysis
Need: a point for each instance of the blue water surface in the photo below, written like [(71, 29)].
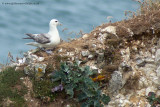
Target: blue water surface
[(18, 17)]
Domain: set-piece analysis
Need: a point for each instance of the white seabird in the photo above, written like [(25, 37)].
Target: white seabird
[(46, 40)]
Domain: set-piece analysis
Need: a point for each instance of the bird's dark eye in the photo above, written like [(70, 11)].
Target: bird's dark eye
[(56, 21)]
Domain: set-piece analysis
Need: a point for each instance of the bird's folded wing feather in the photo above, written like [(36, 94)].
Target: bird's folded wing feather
[(40, 38)]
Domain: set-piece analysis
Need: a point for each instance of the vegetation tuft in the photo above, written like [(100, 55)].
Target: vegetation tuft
[(42, 90), (11, 87), (148, 6), (78, 85)]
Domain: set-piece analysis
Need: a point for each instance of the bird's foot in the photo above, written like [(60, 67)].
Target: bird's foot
[(48, 51)]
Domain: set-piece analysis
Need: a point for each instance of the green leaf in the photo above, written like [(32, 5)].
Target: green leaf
[(97, 104), (69, 91), (88, 72), (158, 99), (88, 93), (105, 99), (82, 96), (85, 105), (76, 80)]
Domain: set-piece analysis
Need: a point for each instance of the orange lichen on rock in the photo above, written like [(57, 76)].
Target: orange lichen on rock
[(99, 78)]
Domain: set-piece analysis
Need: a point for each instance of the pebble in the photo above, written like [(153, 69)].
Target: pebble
[(90, 56), (85, 53), (140, 62)]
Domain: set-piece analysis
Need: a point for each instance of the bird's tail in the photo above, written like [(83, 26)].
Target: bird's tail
[(30, 36), (33, 44)]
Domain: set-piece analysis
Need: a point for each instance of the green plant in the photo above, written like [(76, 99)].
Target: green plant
[(11, 87), (42, 86), (42, 90), (79, 85), (152, 99)]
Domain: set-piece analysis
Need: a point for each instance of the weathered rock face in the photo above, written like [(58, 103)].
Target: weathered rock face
[(116, 83)]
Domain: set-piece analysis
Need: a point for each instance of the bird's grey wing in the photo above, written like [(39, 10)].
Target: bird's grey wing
[(40, 38)]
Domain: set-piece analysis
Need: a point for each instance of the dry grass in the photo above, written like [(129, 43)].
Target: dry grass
[(146, 19), (147, 6), (132, 82)]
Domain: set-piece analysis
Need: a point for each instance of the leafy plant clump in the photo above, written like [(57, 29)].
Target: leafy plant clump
[(153, 100), (78, 84), (11, 87)]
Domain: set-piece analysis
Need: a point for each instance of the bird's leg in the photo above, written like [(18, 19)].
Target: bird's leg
[(48, 51)]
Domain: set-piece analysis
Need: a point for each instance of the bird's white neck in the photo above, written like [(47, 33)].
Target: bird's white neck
[(53, 30)]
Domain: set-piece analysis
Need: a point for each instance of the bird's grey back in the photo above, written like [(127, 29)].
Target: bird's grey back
[(40, 38)]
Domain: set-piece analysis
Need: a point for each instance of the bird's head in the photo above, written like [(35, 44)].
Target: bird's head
[(54, 22)]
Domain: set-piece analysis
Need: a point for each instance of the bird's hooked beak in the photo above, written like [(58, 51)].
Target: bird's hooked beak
[(60, 24)]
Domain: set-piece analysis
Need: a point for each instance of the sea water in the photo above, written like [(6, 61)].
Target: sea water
[(18, 17)]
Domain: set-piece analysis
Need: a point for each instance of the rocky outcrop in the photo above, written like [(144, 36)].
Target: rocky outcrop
[(126, 53)]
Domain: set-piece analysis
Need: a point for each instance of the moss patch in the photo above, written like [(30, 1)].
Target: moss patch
[(42, 90), (11, 87)]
